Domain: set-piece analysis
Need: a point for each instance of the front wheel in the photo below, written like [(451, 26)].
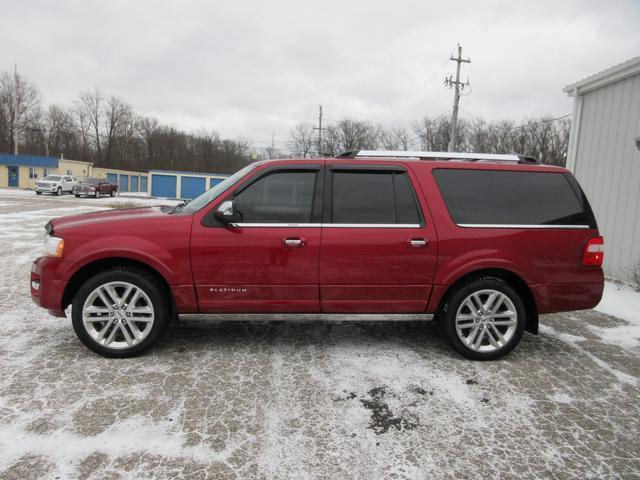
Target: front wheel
[(120, 312), (59, 191), (38, 193), (113, 193), (484, 319), (96, 194)]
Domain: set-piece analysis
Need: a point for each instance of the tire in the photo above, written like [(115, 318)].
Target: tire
[(96, 194), (476, 333), (59, 191), (112, 341), (113, 192), (77, 196), (38, 193)]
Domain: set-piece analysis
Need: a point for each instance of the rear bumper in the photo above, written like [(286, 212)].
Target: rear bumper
[(563, 297), (45, 291)]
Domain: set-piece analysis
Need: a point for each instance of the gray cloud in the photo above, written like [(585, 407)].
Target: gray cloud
[(246, 69)]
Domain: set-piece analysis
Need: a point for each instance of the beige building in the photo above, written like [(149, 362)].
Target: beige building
[(24, 171)]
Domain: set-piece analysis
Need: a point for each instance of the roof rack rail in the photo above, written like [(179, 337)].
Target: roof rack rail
[(468, 156)]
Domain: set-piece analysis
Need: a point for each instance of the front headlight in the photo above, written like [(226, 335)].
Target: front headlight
[(52, 247)]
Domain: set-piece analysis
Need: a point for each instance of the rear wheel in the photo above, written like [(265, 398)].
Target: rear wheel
[(96, 193), (113, 192), (77, 196), (59, 191), (120, 312), (38, 193), (484, 319)]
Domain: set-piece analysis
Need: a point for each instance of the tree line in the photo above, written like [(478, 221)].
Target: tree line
[(105, 130), (545, 138)]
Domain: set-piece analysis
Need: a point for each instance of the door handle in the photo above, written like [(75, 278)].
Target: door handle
[(418, 242), (294, 242)]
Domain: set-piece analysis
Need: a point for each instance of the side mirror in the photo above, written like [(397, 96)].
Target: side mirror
[(226, 213)]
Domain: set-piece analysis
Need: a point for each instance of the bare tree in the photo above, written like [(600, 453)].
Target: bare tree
[(395, 138), (62, 132), (302, 141), (19, 104), (117, 116), (350, 134), (89, 111)]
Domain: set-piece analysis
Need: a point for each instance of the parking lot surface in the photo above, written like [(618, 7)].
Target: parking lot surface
[(304, 399)]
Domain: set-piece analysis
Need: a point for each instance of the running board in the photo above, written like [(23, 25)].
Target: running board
[(329, 317)]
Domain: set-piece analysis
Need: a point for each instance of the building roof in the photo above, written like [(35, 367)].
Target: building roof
[(21, 160), (174, 172), (605, 77)]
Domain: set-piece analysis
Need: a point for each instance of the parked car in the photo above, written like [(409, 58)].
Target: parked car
[(483, 244), (94, 187), (57, 184)]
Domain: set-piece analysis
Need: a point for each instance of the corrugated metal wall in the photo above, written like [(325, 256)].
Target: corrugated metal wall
[(608, 168)]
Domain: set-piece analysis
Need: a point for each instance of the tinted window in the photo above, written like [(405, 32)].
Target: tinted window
[(281, 197), (372, 197), (511, 198)]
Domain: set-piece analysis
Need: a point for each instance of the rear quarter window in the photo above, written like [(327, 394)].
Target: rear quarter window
[(498, 197)]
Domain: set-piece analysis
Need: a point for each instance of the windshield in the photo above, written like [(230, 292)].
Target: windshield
[(52, 178), (206, 198)]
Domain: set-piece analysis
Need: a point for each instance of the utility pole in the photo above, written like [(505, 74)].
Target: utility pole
[(319, 128), (15, 109), (458, 86)]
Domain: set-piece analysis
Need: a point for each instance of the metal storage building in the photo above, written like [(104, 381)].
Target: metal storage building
[(127, 181), (604, 155), (183, 185)]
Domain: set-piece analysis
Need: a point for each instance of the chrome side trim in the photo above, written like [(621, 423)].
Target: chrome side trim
[(371, 225), (281, 225), (332, 317), (546, 227), (328, 225)]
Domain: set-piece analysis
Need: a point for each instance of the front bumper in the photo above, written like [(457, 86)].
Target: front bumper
[(47, 292), (50, 189)]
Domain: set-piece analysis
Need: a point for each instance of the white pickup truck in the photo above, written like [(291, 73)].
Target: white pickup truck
[(57, 184)]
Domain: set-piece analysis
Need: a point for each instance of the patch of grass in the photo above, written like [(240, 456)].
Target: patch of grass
[(122, 205)]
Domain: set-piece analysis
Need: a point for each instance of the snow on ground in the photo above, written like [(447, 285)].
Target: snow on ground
[(622, 302), (303, 399)]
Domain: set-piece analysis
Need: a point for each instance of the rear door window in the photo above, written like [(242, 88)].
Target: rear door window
[(498, 197), (373, 197)]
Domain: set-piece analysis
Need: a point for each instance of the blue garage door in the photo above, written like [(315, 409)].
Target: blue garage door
[(214, 181), (124, 183), (113, 178), (143, 184), (134, 183), (163, 185), (191, 187)]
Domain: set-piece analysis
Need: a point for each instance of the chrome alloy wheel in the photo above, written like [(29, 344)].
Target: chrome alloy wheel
[(486, 320), (118, 315)]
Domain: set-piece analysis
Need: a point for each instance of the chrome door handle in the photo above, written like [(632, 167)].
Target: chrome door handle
[(418, 242), (294, 242)]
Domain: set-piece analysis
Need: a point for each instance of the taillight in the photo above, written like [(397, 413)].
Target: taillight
[(593, 252)]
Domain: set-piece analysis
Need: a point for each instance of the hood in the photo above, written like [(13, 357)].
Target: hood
[(103, 218)]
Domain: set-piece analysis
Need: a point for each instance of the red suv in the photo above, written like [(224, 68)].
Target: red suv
[(481, 243)]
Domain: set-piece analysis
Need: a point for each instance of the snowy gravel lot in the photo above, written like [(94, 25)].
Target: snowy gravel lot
[(308, 399)]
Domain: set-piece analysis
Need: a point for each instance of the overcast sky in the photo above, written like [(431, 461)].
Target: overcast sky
[(247, 69)]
